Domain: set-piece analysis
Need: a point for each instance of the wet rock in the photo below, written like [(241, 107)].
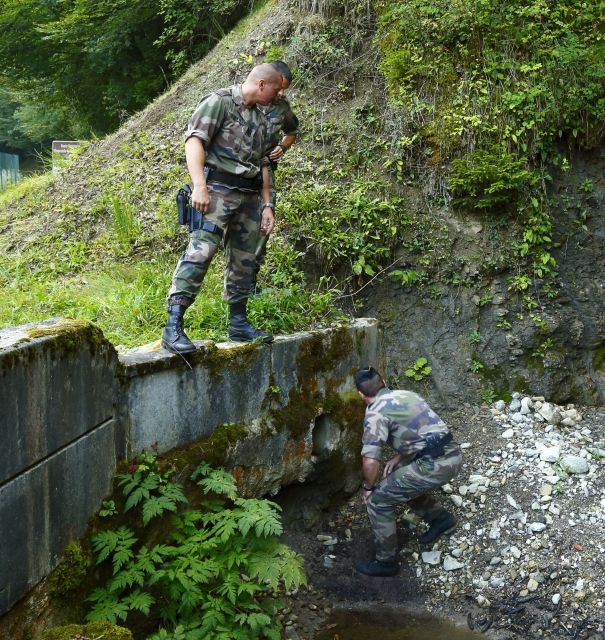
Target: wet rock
[(451, 564)]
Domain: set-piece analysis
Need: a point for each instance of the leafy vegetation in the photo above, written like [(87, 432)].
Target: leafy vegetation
[(215, 571), (77, 69), (490, 89)]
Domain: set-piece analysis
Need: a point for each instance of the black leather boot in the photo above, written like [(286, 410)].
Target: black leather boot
[(444, 523), (378, 568), (240, 330), (174, 338)]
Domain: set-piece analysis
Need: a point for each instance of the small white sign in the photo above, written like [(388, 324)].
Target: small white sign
[(61, 150)]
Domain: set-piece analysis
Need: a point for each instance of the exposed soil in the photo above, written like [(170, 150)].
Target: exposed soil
[(489, 593)]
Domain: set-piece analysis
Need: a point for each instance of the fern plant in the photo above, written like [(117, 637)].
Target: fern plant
[(216, 573)]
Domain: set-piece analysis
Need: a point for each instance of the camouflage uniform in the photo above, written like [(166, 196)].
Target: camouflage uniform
[(401, 419), (280, 119), (234, 138)]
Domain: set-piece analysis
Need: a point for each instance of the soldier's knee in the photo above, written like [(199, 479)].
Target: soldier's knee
[(200, 252)]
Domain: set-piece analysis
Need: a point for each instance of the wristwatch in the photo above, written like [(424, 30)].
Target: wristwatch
[(365, 488), (268, 204)]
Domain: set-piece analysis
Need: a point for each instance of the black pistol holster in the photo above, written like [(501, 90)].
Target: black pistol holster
[(191, 217), (435, 444)]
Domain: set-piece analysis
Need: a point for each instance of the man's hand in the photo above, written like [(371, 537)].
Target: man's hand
[(267, 221), (200, 198), (391, 464), (276, 153)]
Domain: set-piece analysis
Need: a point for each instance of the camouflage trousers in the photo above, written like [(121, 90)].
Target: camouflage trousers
[(409, 484), (238, 214)]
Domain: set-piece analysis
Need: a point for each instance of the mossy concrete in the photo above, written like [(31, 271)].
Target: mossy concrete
[(275, 415)]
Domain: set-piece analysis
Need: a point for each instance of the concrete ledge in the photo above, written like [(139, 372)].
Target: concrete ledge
[(169, 402)]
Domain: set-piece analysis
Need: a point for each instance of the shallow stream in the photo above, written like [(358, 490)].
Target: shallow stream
[(391, 624)]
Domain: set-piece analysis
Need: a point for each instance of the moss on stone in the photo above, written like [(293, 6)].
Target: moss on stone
[(598, 358), (71, 571), (90, 631), (217, 360), (71, 334), (211, 449)]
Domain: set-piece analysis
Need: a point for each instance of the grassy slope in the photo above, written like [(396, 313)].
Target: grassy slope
[(364, 191), (100, 241)]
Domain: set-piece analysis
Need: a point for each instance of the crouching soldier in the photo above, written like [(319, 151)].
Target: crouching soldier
[(426, 458)]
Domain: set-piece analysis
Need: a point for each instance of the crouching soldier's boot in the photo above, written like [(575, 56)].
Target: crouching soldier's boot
[(240, 330), (174, 337), (443, 523)]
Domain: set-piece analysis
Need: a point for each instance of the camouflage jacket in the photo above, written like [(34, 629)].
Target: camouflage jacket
[(399, 419), (234, 135), (280, 118)]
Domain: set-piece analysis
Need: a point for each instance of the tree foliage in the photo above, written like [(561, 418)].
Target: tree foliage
[(76, 68)]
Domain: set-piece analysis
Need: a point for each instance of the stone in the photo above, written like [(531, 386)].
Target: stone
[(550, 454), (556, 598), (457, 500), (431, 557), (508, 433), (511, 501), (517, 417), (574, 464), (483, 602), (526, 406), (515, 405), (532, 585), (451, 564), (500, 405), (536, 527)]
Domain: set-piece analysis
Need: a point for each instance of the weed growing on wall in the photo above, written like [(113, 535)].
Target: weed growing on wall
[(214, 571)]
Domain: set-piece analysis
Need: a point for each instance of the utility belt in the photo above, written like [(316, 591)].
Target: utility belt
[(435, 444), (191, 217), (236, 182)]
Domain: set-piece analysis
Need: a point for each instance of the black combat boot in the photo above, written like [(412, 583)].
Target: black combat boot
[(442, 524), (174, 337), (240, 330), (378, 568)]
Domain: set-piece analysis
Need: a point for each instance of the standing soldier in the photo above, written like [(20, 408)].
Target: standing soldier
[(280, 119), (426, 458), (224, 147)]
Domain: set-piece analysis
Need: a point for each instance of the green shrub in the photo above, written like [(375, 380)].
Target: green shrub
[(490, 179)]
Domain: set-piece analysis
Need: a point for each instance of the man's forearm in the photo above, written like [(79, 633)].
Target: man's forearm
[(370, 468), (266, 190), (288, 140)]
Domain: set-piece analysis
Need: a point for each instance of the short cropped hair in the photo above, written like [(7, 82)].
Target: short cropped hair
[(369, 381), (283, 68)]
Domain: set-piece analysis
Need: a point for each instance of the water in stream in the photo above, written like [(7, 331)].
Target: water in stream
[(391, 624)]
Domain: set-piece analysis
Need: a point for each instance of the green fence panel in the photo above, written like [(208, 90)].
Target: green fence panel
[(9, 169)]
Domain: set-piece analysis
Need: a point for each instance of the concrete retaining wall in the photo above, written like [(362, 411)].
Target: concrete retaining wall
[(71, 409), (60, 444)]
